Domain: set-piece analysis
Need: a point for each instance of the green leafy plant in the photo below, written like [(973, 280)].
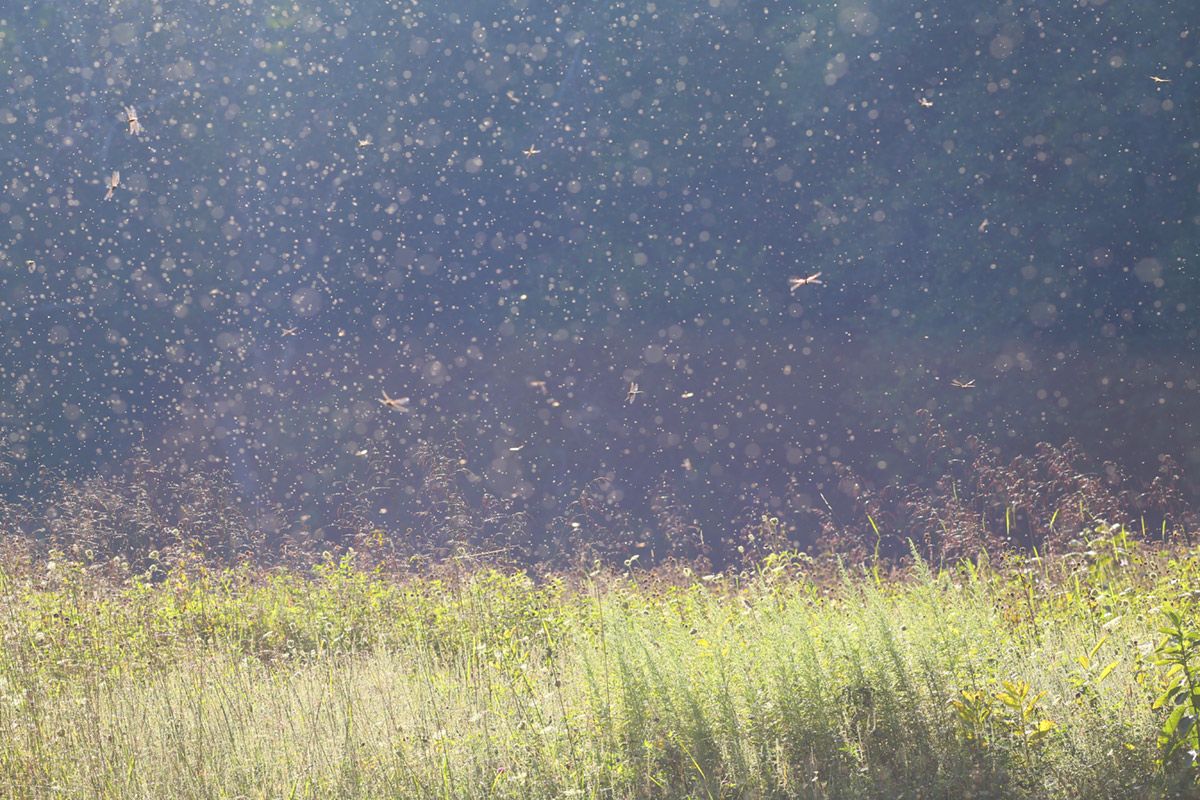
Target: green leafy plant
[(1022, 715), (1180, 653), (1091, 674), (973, 709), (982, 714)]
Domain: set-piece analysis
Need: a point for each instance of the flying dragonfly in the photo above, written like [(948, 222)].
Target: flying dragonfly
[(958, 384), (633, 392), (396, 403), (362, 142), (288, 332), (112, 183), (1157, 79), (796, 283), (135, 124)]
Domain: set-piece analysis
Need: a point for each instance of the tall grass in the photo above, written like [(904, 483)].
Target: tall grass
[(1032, 679)]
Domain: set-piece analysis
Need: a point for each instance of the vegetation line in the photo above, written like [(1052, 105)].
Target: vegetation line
[(1071, 676)]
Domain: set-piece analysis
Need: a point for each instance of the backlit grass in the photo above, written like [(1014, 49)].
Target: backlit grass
[(1037, 678)]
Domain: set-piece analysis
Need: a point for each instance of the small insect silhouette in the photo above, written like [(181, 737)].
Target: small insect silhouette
[(532, 151), (288, 332), (396, 403), (963, 384), (926, 102), (1157, 79), (796, 283), (363, 141), (633, 392), (112, 183), (135, 124)]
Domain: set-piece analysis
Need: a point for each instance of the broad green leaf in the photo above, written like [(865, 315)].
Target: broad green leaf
[(1168, 729), (1008, 700), (1166, 695)]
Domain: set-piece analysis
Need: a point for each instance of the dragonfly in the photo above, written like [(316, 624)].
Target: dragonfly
[(135, 124), (796, 283), (634, 391), (288, 332), (396, 403), (963, 384), (362, 141), (112, 183)]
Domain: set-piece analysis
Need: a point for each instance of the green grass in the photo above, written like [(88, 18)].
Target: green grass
[(1050, 678)]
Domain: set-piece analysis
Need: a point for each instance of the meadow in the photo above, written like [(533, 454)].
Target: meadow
[(1075, 675)]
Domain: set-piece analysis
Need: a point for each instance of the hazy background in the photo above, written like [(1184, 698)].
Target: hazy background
[(508, 212)]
